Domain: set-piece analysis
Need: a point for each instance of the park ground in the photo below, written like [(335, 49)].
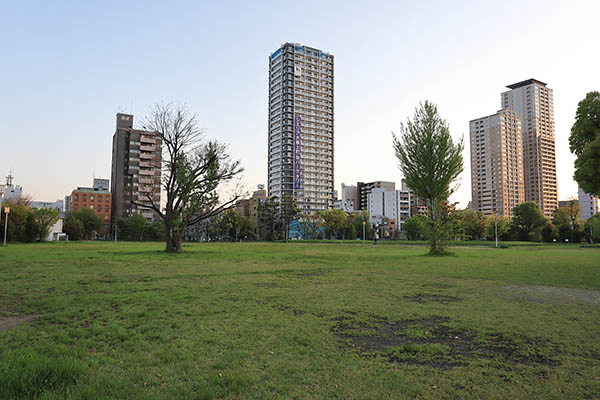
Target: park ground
[(98, 320)]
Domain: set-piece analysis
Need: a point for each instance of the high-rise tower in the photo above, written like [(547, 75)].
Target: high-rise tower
[(533, 104), (300, 137), (496, 163)]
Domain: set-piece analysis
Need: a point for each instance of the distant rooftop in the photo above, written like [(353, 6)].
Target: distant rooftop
[(525, 83)]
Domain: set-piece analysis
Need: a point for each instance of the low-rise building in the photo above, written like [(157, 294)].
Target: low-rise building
[(95, 199), (249, 207)]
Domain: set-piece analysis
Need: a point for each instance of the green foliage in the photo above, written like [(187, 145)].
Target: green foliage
[(430, 162), (566, 221), (474, 225), (74, 228), (21, 222), (591, 229), (585, 143), (416, 227), (549, 233), (334, 221), (138, 228), (230, 225), (503, 225), (527, 221), (357, 225), (288, 211), (309, 226), (268, 217), (90, 219), (45, 218)]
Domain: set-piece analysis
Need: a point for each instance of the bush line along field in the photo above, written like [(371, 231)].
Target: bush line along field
[(303, 320)]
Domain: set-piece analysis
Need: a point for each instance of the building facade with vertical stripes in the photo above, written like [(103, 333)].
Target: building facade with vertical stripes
[(301, 127)]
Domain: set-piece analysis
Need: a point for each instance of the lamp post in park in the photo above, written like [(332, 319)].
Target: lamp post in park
[(364, 223), (6, 211)]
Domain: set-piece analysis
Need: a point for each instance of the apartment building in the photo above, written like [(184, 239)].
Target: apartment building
[(395, 205), (533, 103), (588, 205), (136, 169), (249, 207), (98, 200), (300, 126), (497, 184), (364, 189)]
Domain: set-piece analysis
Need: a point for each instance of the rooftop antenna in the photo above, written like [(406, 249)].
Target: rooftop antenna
[(9, 179)]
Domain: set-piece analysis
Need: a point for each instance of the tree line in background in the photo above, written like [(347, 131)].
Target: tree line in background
[(527, 224), (28, 224)]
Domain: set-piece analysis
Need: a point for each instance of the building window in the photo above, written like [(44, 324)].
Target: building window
[(91, 197), (76, 197)]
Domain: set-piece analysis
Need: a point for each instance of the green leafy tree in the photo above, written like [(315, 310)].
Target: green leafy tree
[(17, 220), (474, 224), (585, 143), (45, 217), (357, 223), (268, 217), (310, 226), (91, 221), (591, 229), (502, 224), (334, 222), (548, 232), (73, 227), (416, 227), (430, 162), (288, 211), (527, 221), (566, 221), (31, 228)]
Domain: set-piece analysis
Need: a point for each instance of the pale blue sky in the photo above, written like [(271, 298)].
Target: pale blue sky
[(67, 67)]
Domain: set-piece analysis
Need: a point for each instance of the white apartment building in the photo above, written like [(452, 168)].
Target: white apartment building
[(393, 204), (588, 205), (301, 129)]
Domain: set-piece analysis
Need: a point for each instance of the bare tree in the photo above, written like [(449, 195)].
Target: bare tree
[(193, 170)]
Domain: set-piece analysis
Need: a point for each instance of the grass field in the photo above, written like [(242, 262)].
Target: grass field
[(260, 320)]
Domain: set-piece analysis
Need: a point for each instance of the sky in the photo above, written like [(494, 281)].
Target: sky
[(68, 67)]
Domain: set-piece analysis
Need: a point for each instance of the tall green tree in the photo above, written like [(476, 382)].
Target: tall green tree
[(288, 211), (591, 229), (73, 227), (90, 219), (416, 227), (474, 224), (310, 226), (45, 217), (566, 220), (334, 222), (268, 218), (501, 223), (528, 221), (585, 143), (357, 223), (430, 162)]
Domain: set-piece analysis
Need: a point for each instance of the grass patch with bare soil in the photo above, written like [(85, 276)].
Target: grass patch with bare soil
[(302, 320)]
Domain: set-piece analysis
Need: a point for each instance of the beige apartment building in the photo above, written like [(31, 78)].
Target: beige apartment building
[(532, 102), (497, 183)]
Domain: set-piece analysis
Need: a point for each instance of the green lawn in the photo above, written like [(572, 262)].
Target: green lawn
[(260, 320)]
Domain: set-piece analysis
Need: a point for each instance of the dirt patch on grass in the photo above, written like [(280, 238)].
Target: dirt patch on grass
[(12, 321), (432, 342), (545, 293), (431, 298)]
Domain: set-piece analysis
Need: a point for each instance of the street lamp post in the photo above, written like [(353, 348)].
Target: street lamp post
[(6, 211), (364, 223), (496, 228)]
